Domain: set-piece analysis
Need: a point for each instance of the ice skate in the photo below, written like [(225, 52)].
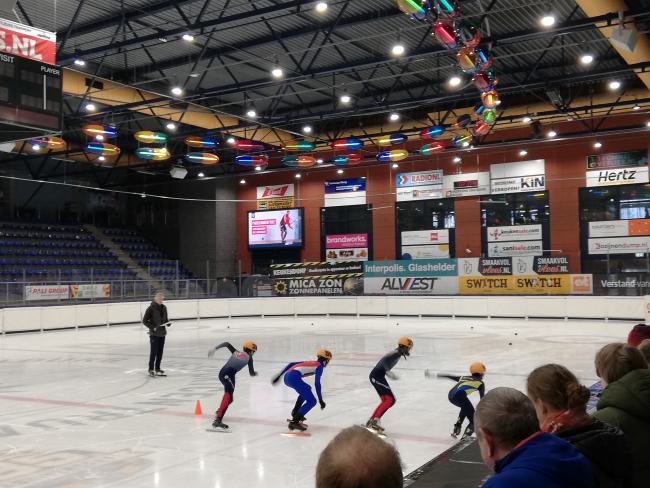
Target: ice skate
[(469, 431), (159, 372), (218, 426), (374, 425), (456, 432), (152, 373)]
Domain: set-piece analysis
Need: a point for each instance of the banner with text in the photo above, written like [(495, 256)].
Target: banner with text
[(515, 233), (466, 184), (422, 277), (27, 42), (425, 244), (423, 185), (565, 284), (346, 247), (618, 160), (94, 290), (619, 245), (274, 197), (620, 176), (619, 228), (522, 248), (351, 191), (319, 278), (518, 177), (47, 292)]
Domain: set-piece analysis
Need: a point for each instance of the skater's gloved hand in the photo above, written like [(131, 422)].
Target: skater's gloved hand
[(211, 352), (392, 375), (322, 404)]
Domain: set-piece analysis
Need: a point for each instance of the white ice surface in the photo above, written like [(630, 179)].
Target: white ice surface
[(78, 410)]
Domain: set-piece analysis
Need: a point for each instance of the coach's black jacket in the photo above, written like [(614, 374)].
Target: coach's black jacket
[(154, 317)]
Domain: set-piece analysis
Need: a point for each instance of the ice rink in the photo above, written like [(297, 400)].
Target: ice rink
[(78, 409)]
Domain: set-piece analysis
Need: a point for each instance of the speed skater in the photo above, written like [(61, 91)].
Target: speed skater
[(379, 382), (293, 378), (235, 363), (458, 396)]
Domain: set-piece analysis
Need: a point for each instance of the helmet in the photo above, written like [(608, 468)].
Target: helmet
[(325, 354), (406, 342), (477, 368), (251, 346)]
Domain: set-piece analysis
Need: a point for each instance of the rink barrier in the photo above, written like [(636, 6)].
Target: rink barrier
[(25, 319)]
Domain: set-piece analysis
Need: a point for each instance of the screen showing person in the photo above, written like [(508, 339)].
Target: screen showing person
[(275, 228)]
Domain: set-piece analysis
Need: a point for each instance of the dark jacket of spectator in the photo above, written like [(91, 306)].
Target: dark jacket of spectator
[(543, 461), (607, 449), (154, 317), (625, 403)]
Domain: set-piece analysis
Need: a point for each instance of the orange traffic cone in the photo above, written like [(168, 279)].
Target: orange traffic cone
[(197, 408)]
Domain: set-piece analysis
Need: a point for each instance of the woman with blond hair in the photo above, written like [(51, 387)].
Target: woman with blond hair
[(561, 405)]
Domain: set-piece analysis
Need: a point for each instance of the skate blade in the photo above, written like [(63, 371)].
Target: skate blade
[(296, 434), (213, 429), (376, 432)]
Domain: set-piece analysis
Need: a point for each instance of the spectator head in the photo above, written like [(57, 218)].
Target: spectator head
[(159, 297), (644, 347), (503, 418), (355, 458), (616, 360), (554, 389)]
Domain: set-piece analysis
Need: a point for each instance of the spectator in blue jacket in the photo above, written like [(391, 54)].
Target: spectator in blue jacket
[(518, 452)]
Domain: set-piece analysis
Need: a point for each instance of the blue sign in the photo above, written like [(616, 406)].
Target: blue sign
[(418, 267), (345, 186)]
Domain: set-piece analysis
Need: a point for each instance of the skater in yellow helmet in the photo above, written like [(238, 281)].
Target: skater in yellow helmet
[(466, 385)]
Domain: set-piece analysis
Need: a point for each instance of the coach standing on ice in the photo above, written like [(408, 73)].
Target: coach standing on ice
[(156, 320)]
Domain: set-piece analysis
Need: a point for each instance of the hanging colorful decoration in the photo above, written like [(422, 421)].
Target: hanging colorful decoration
[(246, 145), (446, 8), (394, 155), (347, 144), (153, 153), (434, 147), (468, 34), (351, 159), (299, 146), (149, 137), (432, 132), (452, 30), (201, 142), (99, 131), (51, 143), (463, 121), (480, 128), (202, 158), (444, 33), (301, 161), (102, 148), (489, 116), (462, 140), (251, 160), (392, 139)]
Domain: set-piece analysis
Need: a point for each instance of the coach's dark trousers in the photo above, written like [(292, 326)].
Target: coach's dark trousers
[(156, 353)]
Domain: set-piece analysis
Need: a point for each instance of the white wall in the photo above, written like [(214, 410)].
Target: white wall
[(57, 317)]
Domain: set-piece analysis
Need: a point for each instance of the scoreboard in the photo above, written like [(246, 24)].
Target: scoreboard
[(31, 97)]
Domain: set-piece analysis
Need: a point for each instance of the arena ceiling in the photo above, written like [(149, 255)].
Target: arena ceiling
[(222, 54)]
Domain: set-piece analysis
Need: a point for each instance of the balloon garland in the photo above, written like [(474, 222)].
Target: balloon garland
[(475, 60)]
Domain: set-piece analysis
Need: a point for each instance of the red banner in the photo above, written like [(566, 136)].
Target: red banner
[(27, 42)]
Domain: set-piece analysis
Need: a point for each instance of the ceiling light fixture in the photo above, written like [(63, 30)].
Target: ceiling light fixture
[(90, 107), (99, 137), (188, 37), (298, 176), (394, 116), (102, 158), (242, 181), (319, 161), (636, 107), (340, 171), (614, 85), (551, 134), (321, 7), (395, 165), (527, 119), (171, 126), (345, 98), (36, 147), (258, 168), (547, 20), (230, 140), (523, 152), (307, 129), (177, 90), (598, 145), (457, 159), (201, 174), (251, 113), (398, 49), (79, 62), (587, 59), (277, 73), (455, 81)]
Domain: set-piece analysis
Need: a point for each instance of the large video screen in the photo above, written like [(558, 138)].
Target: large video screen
[(275, 228)]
